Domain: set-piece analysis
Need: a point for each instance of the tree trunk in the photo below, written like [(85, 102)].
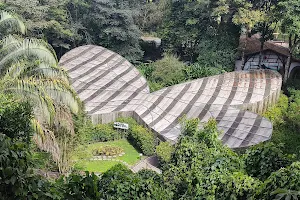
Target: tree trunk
[(287, 68), (260, 54), (289, 59), (243, 53)]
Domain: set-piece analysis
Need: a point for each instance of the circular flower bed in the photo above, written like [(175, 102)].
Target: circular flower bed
[(108, 151)]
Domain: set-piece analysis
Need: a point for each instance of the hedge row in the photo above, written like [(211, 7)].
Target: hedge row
[(142, 138)]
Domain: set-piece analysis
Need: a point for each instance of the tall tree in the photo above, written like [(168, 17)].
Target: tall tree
[(247, 14), (29, 70), (289, 14), (49, 20), (267, 26)]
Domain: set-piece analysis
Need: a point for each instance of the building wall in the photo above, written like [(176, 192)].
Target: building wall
[(270, 59), (293, 65)]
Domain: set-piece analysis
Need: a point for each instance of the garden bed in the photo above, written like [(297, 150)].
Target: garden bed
[(88, 162)]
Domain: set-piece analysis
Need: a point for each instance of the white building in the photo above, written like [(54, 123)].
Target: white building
[(274, 57)]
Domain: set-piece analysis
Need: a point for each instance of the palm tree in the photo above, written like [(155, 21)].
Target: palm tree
[(10, 23), (29, 69)]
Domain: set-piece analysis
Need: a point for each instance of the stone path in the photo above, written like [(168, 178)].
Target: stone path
[(146, 163), (111, 159)]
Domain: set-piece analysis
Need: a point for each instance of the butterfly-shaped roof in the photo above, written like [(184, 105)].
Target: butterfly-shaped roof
[(107, 83)]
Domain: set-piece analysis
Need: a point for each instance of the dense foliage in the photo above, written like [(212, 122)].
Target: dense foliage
[(199, 167), (263, 159), (202, 167), (15, 118), (170, 71), (98, 133), (286, 178), (285, 117), (120, 183), (142, 138), (164, 152), (67, 24), (203, 35), (196, 35)]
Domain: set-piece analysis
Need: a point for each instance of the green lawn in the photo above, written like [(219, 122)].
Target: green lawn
[(96, 165), (131, 156)]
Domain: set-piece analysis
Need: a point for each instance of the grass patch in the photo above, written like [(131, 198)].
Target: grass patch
[(96, 165), (131, 157)]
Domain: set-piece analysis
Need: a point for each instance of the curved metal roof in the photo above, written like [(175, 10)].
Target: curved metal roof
[(107, 82)]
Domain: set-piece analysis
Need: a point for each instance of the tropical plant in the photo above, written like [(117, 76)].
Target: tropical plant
[(263, 159), (15, 118), (164, 152), (285, 178), (143, 139), (29, 70), (10, 23), (288, 13), (286, 194)]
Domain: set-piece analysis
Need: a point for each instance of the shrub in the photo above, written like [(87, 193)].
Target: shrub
[(76, 186), (105, 132), (164, 151), (128, 120), (108, 151), (237, 186), (142, 139), (168, 71), (199, 71), (277, 112), (294, 109), (98, 133), (155, 86), (121, 183), (263, 159), (139, 136), (15, 118), (285, 178)]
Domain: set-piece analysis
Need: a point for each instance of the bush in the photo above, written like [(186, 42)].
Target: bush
[(285, 178), (263, 159), (199, 71), (294, 109), (164, 151), (128, 120), (15, 118), (98, 133), (237, 186), (108, 151), (277, 112), (168, 71), (285, 118), (142, 139), (77, 186), (105, 132), (121, 183)]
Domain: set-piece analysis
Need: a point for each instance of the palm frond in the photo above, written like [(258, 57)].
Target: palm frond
[(38, 70), (61, 92), (47, 70), (29, 89), (11, 22), (63, 119), (13, 50), (48, 143)]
